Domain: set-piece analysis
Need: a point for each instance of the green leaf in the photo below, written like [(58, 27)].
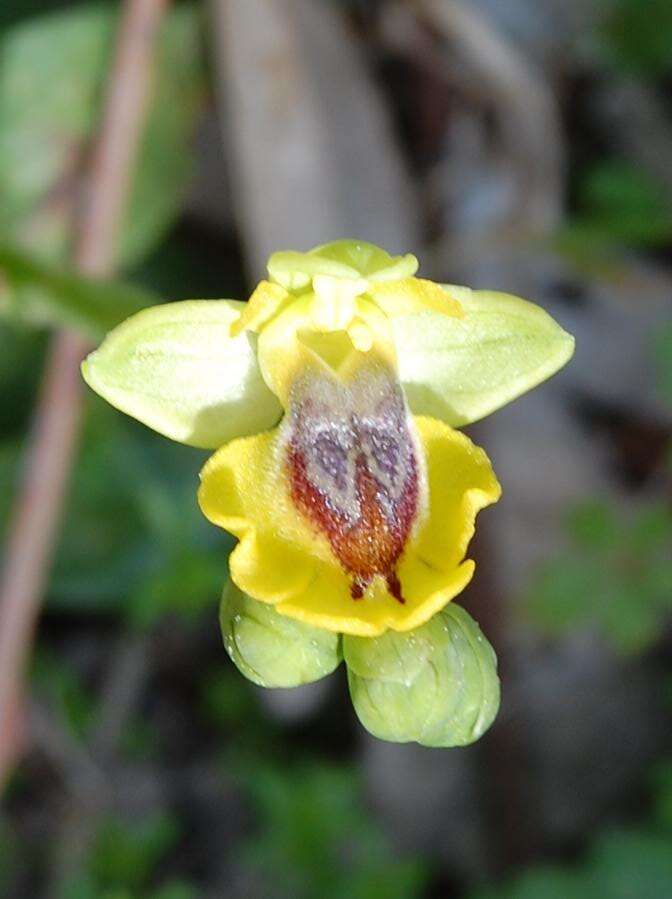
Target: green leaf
[(594, 524), (615, 578), (630, 863), (165, 157), (52, 74), (651, 528), (58, 680), (618, 204), (177, 369), (636, 37), (271, 649), (21, 360), (317, 839), (126, 853), (42, 294), (134, 541), (560, 599), (459, 370), (663, 358), (543, 882), (436, 685), (662, 782), (10, 853), (176, 890)]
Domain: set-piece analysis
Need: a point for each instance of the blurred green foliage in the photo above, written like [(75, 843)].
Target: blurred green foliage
[(636, 36), (616, 572), (33, 293), (616, 576), (8, 854), (126, 853), (21, 351), (124, 858), (70, 701), (49, 111), (48, 114), (316, 838), (633, 863), (617, 205), (134, 541), (230, 704), (663, 359)]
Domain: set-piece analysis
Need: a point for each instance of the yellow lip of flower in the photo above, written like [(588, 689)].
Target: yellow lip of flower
[(301, 497)]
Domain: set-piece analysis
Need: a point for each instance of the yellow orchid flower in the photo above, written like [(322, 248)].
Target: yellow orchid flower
[(332, 399), (352, 515)]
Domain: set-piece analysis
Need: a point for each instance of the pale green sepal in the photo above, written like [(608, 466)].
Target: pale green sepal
[(436, 685), (294, 271), (271, 649), (401, 268), (460, 370), (368, 260), (177, 369), (351, 259)]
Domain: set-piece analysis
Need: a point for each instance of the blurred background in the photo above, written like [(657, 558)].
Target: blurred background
[(522, 145)]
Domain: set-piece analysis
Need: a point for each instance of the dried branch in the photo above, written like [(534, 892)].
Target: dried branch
[(521, 101), (34, 524), (124, 683)]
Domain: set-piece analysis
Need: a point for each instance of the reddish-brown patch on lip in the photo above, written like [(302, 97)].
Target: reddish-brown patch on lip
[(372, 544), (355, 477)]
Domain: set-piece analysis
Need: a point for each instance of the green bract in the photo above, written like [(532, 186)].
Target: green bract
[(271, 649), (460, 370), (177, 369), (436, 685)]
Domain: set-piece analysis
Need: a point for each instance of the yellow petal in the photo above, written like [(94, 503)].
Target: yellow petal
[(300, 338), (264, 304), (414, 295), (461, 482), (326, 602), (244, 489), (284, 560)]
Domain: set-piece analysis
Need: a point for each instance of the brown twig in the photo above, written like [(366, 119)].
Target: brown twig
[(88, 803), (126, 678), (521, 101), (34, 524)]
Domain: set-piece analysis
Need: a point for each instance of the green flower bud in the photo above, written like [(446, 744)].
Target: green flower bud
[(271, 649), (436, 685)]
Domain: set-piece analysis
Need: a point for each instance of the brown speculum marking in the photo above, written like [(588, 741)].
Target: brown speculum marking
[(354, 471)]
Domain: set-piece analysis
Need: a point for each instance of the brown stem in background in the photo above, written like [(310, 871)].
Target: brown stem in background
[(34, 524), (510, 826), (521, 101)]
